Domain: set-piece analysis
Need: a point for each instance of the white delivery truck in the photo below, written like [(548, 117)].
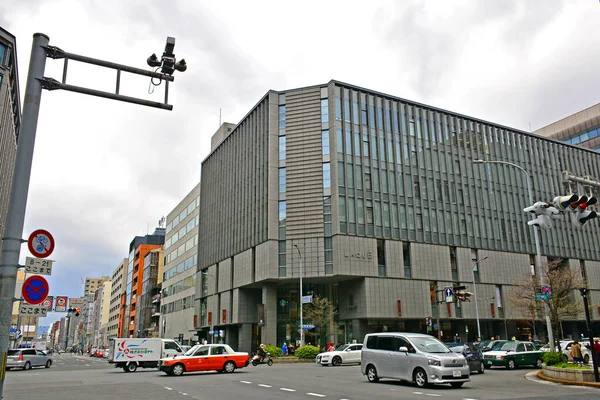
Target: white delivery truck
[(130, 354)]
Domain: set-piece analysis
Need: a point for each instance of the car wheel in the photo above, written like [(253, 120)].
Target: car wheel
[(48, 364), (510, 364), (337, 361), (229, 367), (420, 378), (586, 359), (457, 384), (131, 367), (481, 368), (372, 374), (178, 369), (539, 363), (27, 366), (270, 363)]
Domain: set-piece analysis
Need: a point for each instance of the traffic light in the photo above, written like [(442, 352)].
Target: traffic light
[(75, 310), (562, 202), (463, 295), (543, 211), (581, 215)]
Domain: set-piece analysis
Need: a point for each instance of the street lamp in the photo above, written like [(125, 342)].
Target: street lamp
[(301, 315), (475, 294), (536, 236)]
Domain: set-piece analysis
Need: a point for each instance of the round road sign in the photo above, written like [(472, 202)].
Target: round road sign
[(61, 301), (41, 243), (35, 289), (47, 303)]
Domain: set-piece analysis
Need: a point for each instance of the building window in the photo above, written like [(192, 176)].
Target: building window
[(583, 271), (281, 117), (327, 215), (476, 266), (324, 110), (381, 257), (339, 140), (281, 148), (282, 219), (363, 114), (342, 212), (325, 142), (328, 245), (326, 175), (453, 264), (499, 301), (406, 257), (282, 253), (282, 180), (3, 52)]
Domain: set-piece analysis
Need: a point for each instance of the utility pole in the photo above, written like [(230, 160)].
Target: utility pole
[(588, 322), (301, 302), (13, 234)]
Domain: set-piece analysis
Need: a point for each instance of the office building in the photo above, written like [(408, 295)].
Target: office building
[(181, 256), (375, 200), (10, 120), (117, 299), (149, 302), (581, 129)]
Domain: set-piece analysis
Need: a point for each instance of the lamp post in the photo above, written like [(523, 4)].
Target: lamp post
[(536, 236), (475, 295), (301, 303)]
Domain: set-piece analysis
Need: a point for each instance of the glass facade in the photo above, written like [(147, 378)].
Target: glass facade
[(414, 180), (584, 137)]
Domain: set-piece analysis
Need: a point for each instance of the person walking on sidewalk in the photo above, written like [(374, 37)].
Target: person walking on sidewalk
[(576, 353)]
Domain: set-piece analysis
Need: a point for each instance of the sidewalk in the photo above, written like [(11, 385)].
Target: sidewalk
[(540, 375)]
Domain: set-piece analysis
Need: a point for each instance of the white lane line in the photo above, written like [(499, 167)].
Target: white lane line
[(263, 385), (87, 365), (287, 390), (185, 394), (168, 388), (246, 382), (468, 398), (433, 395), (417, 392), (315, 394)]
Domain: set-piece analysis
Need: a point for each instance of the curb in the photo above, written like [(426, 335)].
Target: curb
[(540, 375), (282, 360)]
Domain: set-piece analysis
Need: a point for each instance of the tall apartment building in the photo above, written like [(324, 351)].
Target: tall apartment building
[(92, 284), (139, 247), (10, 120), (375, 200), (581, 129), (89, 294), (101, 314), (117, 298), (181, 256), (149, 301)]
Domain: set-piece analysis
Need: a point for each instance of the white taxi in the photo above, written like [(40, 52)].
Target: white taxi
[(346, 354)]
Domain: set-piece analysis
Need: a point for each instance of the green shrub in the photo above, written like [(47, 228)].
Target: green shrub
[(553, 357), (274, 350), (307, 352), (568, 366)]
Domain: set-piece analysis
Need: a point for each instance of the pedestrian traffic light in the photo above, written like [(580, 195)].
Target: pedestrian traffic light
[(543, 211)]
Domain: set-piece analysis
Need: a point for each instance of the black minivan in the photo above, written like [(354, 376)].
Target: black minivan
[(472, 353)]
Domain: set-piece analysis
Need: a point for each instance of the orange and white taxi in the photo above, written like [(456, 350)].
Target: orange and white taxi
[(208, 357)]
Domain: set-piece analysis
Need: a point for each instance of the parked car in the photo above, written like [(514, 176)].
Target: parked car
[(513, 354), (493, 345), (210, 357), (27, 358), (565, 348), (347, 354), (473, 355), (413, 357)]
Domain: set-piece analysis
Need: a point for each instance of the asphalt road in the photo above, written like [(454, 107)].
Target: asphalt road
[(81, 377)]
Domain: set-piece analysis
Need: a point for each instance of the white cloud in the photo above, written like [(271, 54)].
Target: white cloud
[(105, 171)]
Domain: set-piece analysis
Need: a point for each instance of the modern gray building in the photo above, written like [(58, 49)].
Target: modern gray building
[(581, 129), (10, 119), (376, 201)]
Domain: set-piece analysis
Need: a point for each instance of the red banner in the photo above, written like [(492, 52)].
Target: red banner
[(209, 318), (224, 317), (399, 308), (493, 308)]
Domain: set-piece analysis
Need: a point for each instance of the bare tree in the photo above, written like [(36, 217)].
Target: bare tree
[(320, 312), (562, 304)]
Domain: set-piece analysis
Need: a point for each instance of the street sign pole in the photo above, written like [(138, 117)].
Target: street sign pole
[(15, 219)]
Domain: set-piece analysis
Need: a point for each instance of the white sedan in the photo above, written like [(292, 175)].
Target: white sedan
[(347, 354)]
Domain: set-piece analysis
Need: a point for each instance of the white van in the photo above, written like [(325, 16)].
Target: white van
[(413, 357), (130, 354)]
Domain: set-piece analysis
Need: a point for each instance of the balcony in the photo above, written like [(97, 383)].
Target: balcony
[(156, 298)]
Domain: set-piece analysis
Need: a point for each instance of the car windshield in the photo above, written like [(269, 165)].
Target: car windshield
[(192, 350), (457, 348), (511, 346), (498, 346), (343, 347), (429, 345)]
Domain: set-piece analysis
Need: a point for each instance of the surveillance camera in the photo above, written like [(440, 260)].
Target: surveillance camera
[(169, 47), (181, 66), (153, 61)]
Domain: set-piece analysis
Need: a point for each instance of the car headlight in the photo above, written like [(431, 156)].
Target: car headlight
[(433, 361)]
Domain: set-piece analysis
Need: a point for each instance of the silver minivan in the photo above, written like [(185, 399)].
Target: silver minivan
[(414, 357)]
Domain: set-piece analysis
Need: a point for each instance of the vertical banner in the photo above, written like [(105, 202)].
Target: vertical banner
[(210, 318), (493, 309), (224, 317), (399, 308), (261, 314)]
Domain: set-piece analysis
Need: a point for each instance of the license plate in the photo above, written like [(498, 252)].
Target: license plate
[(456, 374)]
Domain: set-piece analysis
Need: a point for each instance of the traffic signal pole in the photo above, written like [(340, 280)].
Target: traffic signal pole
[(588, 321), (15, 219)]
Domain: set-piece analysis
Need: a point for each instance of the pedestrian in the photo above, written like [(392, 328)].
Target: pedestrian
[(330, 346), (576, 353), (339, 344), (284, 349), (291, 349)]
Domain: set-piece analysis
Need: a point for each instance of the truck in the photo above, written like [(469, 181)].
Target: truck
[(133, 353)]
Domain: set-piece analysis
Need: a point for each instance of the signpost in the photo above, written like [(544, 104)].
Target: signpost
[(307, 299), (38, 266), (32, 311), (41, 243), (307, 326), (35, 289), (61, 304), (449, 293)]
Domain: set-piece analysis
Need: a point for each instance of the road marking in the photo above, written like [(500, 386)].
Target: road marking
[(185, 394), (417, 392), (168, 388), (433, 395), (315, 394), (468, 398), (87, 365), (246, 382), (263, 385), (288, 390)]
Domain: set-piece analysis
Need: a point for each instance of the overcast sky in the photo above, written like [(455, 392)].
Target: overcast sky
[(105, 171)]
